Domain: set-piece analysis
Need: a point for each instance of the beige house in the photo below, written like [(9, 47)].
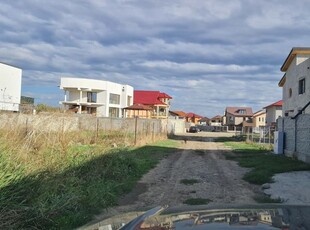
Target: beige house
[(259, 119), (273, 112), (235, 117), (296, 82)]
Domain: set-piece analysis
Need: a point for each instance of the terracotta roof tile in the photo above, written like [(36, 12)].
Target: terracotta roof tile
[(149, 97), (278, 103)]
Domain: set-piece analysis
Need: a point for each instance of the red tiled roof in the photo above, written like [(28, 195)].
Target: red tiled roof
[(138, 107), (179, 113), (149, 97), (193, 115), (164, 95), (278, 103), (235, 111)]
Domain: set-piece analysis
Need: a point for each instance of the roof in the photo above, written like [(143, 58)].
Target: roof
[(138, 107), (292, 55), (164, 95), (179, 113), (9, 65), (278, 103), (259, 112), (236, 111), (204, 119), (216, 117), (282, 81), (149, 97), (193, 115)]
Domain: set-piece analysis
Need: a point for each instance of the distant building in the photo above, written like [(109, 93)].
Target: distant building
[(193, 118), (204, 121), (151, 104), (259, 119), (10, 87), (216, 120), (237, 117), (273, 112), (97, 97), (177, 114)]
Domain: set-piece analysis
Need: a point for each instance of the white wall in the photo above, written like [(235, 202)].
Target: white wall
[(272, 114), (298, 69), (103, 89), (10, 87)]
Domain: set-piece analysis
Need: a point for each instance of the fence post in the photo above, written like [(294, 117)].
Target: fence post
[(97, 126), (136, 125), (269, 135), (153, 134)]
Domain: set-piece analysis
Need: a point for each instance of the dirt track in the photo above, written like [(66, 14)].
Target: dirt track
[(200, 158)]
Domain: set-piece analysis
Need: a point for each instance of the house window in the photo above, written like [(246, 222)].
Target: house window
[(113, 112), (128, 100), (259, 119), (114, 99), (231, 119), (302, 86), (91, 97), (242, 111), (290, 92), (262, 119)]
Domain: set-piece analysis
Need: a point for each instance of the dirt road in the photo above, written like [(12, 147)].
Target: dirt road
[(201, 159)]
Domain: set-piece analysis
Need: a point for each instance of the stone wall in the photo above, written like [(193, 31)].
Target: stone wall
[(296, 136)]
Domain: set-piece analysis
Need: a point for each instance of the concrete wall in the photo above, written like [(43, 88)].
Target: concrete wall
[(296, 136), (10, 87), (296, 71), (62, 123)]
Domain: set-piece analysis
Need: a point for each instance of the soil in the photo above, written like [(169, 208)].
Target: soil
[(199, 158)]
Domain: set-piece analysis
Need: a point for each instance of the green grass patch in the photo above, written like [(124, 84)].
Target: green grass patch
[(266, 199), (197, 201), (263, 163), (73, 185), (189, 181)]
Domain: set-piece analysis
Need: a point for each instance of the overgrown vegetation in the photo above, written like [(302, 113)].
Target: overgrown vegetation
[(56, 180), (46, 108), (189, 181), (264, 164), (197, 201)]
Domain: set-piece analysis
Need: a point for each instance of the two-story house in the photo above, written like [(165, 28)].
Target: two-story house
[(10, 87), (296, 82), (149, 104), (193, 118), (273, 112), (216, 120), (235, 117), (101, 98)]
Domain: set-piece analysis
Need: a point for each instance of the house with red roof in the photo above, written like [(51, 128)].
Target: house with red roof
[(177, 114), (193, 118), (273, 111), (149, 104), (237, 117)]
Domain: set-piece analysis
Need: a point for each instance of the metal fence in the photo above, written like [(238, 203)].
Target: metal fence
[(263, 135)]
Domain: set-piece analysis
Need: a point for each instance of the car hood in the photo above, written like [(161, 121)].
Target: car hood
[(261, 217)]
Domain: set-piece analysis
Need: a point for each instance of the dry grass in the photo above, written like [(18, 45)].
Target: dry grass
[(47, 172)]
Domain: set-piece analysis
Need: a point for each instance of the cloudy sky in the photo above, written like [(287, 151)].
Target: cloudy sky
[(206, 54)]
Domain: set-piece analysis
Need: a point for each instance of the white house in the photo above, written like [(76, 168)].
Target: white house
[(10, 87), (103, 98), (296, 82)]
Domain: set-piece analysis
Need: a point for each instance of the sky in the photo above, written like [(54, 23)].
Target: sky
[(206, 54)]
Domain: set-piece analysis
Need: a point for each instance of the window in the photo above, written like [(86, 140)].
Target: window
[(91, 97), (231, 118), (242, 111), (262, 119), (128, 100), (302, 86), (259, 119), (114, 99), (290, 92), (113, 112)]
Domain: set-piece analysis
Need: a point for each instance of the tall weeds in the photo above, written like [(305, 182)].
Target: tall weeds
[(48, 175)]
